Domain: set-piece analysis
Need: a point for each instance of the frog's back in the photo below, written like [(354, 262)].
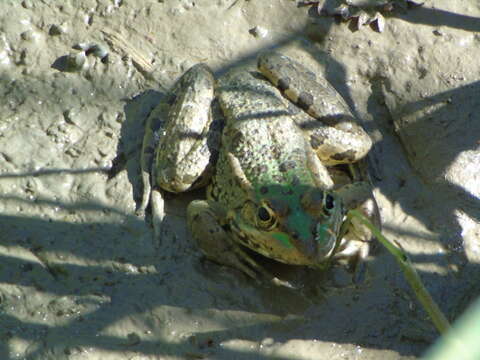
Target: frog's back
[(261, 136)]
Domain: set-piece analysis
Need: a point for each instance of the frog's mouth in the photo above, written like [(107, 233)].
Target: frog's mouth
[(285, 245), (326, 236)]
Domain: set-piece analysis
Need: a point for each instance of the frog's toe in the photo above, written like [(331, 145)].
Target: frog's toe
[(352, 253), (218, 247), (353, 250), (158, 214), (147, 189), (239, 259)]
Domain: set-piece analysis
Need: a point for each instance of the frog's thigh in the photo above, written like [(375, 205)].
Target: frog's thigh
[(336, 136), (216, 243), (346, 142), (358, 196), (187, 143)]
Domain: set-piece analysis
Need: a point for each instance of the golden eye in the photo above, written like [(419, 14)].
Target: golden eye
[(265, 217)]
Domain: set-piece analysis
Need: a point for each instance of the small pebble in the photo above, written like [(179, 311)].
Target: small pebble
[(55, 30), (258, 32)]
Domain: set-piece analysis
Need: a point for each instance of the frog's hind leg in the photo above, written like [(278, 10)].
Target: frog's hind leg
[(187, 145), (336, 137)]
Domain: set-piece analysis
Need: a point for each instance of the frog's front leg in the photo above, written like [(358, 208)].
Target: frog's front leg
[(208, 225), (356, 241)]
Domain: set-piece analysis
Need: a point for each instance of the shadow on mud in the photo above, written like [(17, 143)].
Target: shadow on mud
[(129, 282)]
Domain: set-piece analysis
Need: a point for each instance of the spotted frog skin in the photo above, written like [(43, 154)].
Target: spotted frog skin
[(272, 171)]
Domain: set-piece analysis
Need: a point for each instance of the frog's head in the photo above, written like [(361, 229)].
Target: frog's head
[(292, 225)]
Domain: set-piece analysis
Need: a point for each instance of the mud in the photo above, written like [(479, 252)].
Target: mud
[(82, 277)]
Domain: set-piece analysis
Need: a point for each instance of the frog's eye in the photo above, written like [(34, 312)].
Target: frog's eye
[(329, 203), (265, 217)]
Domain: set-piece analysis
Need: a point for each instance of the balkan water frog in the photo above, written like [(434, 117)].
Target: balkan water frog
[(271, 170)]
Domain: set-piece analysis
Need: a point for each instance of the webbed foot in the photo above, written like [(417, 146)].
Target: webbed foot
[(206, 222)]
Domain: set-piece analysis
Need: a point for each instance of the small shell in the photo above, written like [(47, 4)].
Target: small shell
[(75, 62), (360, 20), (82, 46), (343, 11), (96, 50)]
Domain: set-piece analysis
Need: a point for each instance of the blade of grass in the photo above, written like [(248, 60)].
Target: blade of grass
[(430, 306)]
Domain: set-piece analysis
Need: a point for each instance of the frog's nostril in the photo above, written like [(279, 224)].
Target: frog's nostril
[(329, 202)]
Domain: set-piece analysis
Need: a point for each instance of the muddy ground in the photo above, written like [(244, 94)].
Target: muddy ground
[(82, 277)]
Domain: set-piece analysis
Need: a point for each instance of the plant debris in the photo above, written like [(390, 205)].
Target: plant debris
[(360, 12)]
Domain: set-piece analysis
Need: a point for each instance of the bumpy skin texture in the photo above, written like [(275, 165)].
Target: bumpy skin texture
[(270, 190), (182, 138), (275, 188), (341, 140)]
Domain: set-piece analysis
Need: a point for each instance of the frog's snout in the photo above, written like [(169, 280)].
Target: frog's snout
[(325, 208)]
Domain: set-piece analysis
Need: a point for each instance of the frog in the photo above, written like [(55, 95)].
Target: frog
[(280, 154)]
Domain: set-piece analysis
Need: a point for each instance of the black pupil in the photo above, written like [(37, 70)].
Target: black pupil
[(329, 202), (263, 214)]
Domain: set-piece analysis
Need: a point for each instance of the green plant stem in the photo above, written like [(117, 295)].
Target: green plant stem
[(431, 307)]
